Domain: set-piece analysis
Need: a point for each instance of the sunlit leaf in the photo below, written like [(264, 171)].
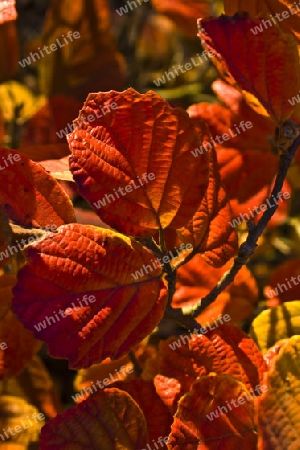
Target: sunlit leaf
[(86, 272), (142, 147)]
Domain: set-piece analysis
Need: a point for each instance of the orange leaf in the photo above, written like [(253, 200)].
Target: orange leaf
[(184, 13), (144, 146), (7, 11), (196, 279), (30, 196), (201, 424), (265, 65), (88, 260), (20, 343), (209, 230), (225, 350), (111, 419)]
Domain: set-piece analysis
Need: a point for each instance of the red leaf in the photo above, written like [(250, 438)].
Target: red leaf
[(95, 262), (142, 136), (266, 65)]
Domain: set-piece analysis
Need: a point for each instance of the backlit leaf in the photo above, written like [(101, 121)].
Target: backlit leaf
[(278, 407), (111, 419), (233, 428), (143, 146), (259, 63), (224, 350), (29, 195), (65, 269), (274, 324)]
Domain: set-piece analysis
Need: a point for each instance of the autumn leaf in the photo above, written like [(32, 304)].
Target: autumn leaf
[(87, 273), (19, 344), (7, 11), (274, 324), (242, 55), (201, 424), (196, 279), (223, 350), (29, 195), (209, 231), (279, 405), (143, 148), (111, 417), (9, 45), (184, 13)]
